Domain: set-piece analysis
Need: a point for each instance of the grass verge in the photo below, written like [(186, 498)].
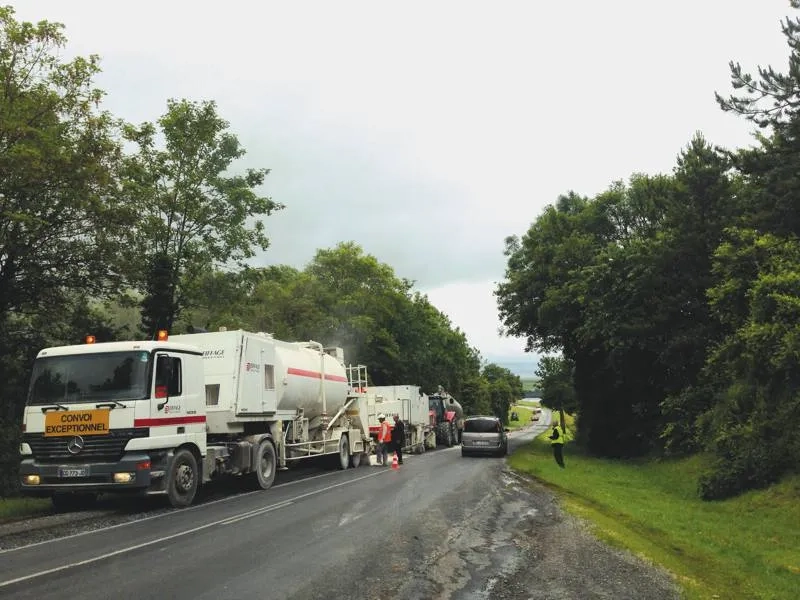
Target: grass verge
[(17, 508), (744, 547)]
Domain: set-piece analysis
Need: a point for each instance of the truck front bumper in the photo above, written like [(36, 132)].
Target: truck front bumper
[(133, 472)]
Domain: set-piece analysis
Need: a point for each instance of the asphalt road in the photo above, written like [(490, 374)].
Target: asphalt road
[(441, 526)]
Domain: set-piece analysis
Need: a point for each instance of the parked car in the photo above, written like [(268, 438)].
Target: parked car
[(484, 435)]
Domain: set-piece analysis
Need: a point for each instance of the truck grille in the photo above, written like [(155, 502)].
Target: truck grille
[(104, 447)]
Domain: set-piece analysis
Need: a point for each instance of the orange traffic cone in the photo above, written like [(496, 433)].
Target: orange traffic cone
[(394, 461)]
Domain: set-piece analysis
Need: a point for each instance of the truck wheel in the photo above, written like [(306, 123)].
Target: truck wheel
[(265, 465), (355, 460), (182, 479), (449, 439), (344, 452)]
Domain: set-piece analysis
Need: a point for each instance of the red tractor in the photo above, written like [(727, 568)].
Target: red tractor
[(447, 418)]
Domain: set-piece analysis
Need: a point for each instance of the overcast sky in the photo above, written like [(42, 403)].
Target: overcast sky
[(429, 131)]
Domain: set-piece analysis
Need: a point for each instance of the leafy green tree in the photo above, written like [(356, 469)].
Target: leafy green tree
[(347, 298), (360, 295), (504, 389), (158, 305), (555, 374), (192, 214), (752, 375), (617, 283), (754, 427), (475, 396), (771, 100), (58, 218), (57, 158)]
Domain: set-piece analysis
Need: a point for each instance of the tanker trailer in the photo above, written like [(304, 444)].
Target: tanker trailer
[(299, 392)]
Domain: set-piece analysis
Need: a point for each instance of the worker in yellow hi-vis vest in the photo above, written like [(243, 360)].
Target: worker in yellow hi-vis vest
[(558, 437)]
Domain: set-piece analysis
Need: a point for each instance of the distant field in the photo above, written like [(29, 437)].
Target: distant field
[(745, 547), (529, 402), (529, 383)]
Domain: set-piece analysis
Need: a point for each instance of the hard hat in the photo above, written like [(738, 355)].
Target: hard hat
[(381, 417)]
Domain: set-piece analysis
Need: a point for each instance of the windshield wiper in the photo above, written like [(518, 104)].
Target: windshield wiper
[(111, 405), (56, 406)]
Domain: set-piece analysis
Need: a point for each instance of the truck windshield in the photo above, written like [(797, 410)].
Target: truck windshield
[(90, 377)]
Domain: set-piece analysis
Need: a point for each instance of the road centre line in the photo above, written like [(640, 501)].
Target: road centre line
[(180, 533), (257, 512)]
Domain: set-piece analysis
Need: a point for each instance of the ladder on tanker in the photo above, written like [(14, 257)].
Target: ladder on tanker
[(357, 379)]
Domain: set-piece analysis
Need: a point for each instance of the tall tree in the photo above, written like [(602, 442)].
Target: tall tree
[(504, 389), (192, 213), (753, 374), (555, 375), (771, 100), (57, 211), (754, 427), (57, 158)]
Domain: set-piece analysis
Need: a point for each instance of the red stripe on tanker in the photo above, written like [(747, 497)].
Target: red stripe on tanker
[(169, 421), (315, 374)]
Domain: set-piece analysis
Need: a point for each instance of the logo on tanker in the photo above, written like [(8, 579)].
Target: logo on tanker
[(251, 367), (218, 353)]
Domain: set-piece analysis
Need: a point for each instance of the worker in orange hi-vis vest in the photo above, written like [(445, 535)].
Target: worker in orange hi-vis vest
[(384, 439)]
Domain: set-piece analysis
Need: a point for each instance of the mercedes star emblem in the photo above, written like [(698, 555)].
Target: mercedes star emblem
[(75, 445)]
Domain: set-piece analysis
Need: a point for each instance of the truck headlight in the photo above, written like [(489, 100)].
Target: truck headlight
[(123, 477), (31, 479)]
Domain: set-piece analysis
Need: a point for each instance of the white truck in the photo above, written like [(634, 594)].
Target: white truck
[(411, 405), (163, 417)]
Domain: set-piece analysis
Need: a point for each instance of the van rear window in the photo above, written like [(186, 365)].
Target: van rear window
[(482, 426)]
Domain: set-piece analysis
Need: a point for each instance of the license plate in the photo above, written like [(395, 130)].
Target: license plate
[(73, 472), (482, 443)]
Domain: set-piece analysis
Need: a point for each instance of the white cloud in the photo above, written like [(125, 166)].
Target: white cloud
[(472, 308), (427, 132)]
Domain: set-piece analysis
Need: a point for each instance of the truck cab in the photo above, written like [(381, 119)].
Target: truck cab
[(110, 417)]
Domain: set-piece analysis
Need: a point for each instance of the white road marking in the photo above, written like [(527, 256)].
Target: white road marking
[(225, 521), (172, 512), (257, 512)]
